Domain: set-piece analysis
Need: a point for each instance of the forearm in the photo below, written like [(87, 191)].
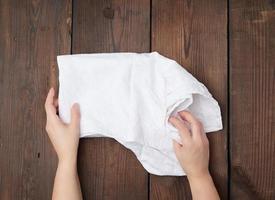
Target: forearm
[(66, 183), (203, 188)]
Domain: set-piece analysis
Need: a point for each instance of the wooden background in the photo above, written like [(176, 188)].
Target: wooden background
[(227, 45)]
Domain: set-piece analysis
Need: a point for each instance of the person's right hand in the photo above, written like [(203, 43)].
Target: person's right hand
[(193, 153)]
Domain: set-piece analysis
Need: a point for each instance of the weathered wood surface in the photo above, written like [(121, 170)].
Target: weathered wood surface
[(107, 170), (252, 99), (194, 33), (32, 34)]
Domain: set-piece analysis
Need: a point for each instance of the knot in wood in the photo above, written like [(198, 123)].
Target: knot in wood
[(108, 12)]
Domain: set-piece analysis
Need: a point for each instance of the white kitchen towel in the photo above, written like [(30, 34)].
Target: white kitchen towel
[(129, 97)]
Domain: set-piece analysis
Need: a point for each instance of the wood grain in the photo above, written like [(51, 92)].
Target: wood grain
[(32, 34), (107, 170), (194, 33), (252, 97)]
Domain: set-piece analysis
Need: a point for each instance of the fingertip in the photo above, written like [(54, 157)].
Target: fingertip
[(52, 89), (76, 110), (51, 92), (172, 119), (189, 117), (49, 98), (76, 107), (75, 115), (183, 114)]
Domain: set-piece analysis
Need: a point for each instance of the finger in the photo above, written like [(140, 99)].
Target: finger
[(49, 106), (176, 147), (195, 124), (176, 144), (188, 117), (204, 137), (184, 132), (56, 106), (203, 131), (55, 103), (49, 99), (75, 115)]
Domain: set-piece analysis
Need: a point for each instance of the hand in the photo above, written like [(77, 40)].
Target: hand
[(193, 153), (64, 137)]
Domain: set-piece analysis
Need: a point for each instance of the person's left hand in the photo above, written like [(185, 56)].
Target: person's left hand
[(64, 137)]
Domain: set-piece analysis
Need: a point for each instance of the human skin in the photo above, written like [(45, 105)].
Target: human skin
[(65, 139), (192, 152), (193, 155)]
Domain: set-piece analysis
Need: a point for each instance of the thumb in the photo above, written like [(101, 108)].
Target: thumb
[(75, 115)]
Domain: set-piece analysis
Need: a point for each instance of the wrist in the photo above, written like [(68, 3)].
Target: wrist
[(199, 176), (69, 162), (67, 167), (204, 181)]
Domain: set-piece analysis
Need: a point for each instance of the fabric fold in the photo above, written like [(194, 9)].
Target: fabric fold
[(129, 97)]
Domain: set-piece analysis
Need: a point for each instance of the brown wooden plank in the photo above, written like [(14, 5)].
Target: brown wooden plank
[(32, 34), (107, 170), (194, 33), (252, 98)]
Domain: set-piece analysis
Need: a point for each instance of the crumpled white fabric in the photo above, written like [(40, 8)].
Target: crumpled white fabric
[(129, 97)]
